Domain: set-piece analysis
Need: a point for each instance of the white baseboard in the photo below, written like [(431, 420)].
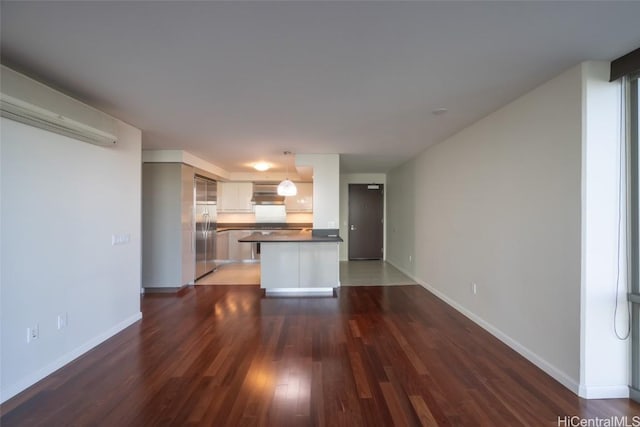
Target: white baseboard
[(604, 392), (531, 356), (30, 380)]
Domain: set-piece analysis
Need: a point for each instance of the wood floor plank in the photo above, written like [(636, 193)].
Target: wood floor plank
[(422, 411), (371, 356), (359, 375), (406, 348), (398, 415)]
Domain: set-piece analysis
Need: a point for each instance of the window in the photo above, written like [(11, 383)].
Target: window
[(633, 118)]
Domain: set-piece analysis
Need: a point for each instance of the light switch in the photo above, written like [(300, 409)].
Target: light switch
[(120, 239)]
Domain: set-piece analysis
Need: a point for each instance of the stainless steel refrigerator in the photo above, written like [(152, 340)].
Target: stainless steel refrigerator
[(205, 192)]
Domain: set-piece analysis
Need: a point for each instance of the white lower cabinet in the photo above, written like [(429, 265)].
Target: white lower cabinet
[(299, 265), (239, 251), (222, 246)]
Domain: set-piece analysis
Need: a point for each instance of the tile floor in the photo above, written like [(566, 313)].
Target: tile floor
[(371, 273), (352, 273), (236, 273)]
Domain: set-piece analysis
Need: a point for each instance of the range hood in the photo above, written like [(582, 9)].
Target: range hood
[(266, 193)]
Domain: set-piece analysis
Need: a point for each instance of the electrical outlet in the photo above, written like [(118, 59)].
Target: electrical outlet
[(63, 320), (33, 333), (474, 288)]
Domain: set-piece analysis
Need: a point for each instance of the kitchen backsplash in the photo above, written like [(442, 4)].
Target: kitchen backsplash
[(294, 217)]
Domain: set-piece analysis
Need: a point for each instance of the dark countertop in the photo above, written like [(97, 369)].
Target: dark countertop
[(263, 226), (288, 236)]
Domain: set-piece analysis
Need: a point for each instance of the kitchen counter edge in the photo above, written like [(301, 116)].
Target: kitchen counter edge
[(289, 238), (264, 226)]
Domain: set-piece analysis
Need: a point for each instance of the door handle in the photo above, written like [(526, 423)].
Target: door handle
[(353, 227)]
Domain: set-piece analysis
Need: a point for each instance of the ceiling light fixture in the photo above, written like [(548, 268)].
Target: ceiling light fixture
[(439, 111), (287, 187), (261, 166)]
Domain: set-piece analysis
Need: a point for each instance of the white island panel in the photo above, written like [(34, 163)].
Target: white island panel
[(319, 265), (279, 266)]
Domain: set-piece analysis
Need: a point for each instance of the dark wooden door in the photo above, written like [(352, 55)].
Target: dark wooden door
[(366, 216)]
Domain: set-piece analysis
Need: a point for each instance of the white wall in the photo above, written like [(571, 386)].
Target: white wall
[(168, 253), (216, 172), (181, 156), (326, 188), (499, 204), (604, 361), (357, 178), (62, 200)]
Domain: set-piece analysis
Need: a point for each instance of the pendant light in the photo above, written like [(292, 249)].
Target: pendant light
[(287, 187)]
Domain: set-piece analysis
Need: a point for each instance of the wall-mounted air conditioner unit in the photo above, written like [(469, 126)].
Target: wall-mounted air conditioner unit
[(27, 101)]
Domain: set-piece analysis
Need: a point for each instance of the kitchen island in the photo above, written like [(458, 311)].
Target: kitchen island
[(296, 262), (229, 249)]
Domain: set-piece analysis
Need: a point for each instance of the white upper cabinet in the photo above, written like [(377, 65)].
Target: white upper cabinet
[(235, 196), (303, 201)]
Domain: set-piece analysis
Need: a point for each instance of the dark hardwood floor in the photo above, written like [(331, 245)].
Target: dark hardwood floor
[(225, 355)]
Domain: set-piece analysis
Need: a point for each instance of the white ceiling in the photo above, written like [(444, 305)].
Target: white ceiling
[(236, 82)]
